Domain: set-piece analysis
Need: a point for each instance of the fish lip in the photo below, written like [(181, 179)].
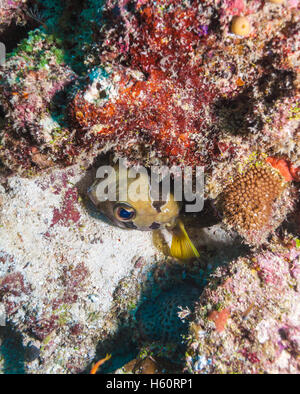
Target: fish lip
[(130, 225), (155, 226)]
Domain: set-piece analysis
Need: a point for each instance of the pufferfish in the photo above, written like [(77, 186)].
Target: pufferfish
[(144, 214)]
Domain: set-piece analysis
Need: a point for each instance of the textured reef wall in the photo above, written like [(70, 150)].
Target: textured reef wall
[(12, 11), (162, 81), (211, 83), (158, 83), (247, 319)]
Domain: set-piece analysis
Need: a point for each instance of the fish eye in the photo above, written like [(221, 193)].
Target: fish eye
[(124, 212)]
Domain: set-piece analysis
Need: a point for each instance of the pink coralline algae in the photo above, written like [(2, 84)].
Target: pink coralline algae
[(52, 317), (13, 284), (42, 328), (74, 279)]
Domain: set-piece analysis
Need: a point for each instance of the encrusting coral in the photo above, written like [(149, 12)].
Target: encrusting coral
[(248, 202)]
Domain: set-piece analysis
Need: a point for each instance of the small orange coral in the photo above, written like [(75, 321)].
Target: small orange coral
[(240, 26), (220, 318), (286, 169), (248, 200)]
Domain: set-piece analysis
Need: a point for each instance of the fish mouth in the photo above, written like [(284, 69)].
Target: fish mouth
[(125, 225), (130, 225)]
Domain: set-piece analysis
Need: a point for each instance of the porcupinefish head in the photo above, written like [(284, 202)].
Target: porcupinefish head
[(133, 207), (126, 211)]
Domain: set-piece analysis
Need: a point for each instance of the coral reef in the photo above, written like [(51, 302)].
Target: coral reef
[(158, 319), (247, 318), (207, 83), (176, 108), (12, 10), (167, 82), (36, 74), (156, 82)]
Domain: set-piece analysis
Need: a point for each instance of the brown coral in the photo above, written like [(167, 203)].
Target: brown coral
[(248, 201)]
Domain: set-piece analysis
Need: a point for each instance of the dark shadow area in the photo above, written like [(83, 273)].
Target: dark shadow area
[(154, 325), (236, 115), (292, 223), (207, 217), (13, 34), (66, 24), (215, 25), (58, 106), (12, 351), (154, 322), (276, 84), (86, 182), (14, 354)]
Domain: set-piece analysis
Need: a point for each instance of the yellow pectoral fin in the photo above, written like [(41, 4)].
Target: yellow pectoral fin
[(182, 247)]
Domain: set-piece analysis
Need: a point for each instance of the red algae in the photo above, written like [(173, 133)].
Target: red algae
[(41, 328), (152, 111), (173, 109), (252, 357), (68, 212), (169, 107), (13, 284)]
